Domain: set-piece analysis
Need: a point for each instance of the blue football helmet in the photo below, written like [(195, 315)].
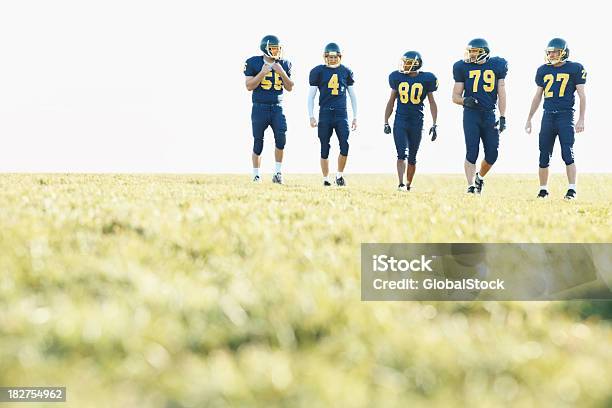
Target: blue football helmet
[(411, 61), (271, 47), (556, 51), (477, 50), (332, 50)]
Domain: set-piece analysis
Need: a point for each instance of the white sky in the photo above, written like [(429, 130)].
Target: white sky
[(157, 86)]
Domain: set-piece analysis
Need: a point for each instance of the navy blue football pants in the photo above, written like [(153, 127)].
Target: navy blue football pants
[(555, 124), (480, 125), (407, 136), (330, 120), (264, 115)]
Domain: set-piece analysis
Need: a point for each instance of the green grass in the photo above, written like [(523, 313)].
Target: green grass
[(191, 291)]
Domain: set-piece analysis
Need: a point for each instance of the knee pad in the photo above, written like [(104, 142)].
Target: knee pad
[(401, 153), (258, 145), (401, 142), (471, 156), (279, 127), (344, 147), (414, 143), (567, 153), (279, 141), (544, 159), (325, 149), (491, 156)]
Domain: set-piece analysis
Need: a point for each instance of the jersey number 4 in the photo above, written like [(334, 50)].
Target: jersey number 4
[(410, 94), (267, 84), (488, 77), (333, 84), (550, 80)]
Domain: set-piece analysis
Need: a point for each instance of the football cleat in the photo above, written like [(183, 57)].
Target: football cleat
[(401, 187), (256, 179), (332, 55), (471, 190), (479, 184), (570, 195), (556, 51), (326, 183), (271, 47), (543, 194), (277, 178), (411, 61), (477, 50)]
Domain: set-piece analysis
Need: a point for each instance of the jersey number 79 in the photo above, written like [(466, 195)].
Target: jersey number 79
[(488, 77)]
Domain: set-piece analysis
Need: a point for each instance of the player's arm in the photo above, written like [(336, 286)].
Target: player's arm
[(253, 82), (501, 103), (389, 109), (458, 93), (287, 82), (501, 97), (353, 96), (535, 103), (311, 98), (433, 108), (582, 96)]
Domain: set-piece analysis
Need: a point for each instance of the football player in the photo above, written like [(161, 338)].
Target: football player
[(333, 80), (267, 76), (410, 86), (479, 85), (557, 80)]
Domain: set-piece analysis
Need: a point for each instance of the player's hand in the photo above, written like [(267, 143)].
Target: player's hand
[(501, 123), (266, 68), (387, 128), (313, 122), (278, 68), (354, 125), (579, 126), (433, 132), (470, 102), (528, 127)]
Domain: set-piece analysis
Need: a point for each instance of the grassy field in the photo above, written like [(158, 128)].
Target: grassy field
[(193, 291)]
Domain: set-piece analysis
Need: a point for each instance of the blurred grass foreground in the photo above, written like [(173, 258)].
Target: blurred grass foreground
[(198, 291)]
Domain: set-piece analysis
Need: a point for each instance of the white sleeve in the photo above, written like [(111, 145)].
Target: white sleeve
[(353, 96), (311, 98)]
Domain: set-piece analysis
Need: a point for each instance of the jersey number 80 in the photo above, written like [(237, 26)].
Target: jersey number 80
[(410, 94)]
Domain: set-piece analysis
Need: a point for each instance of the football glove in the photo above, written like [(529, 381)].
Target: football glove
[(433, 133), (387, 128), (501, 123), (470, 102)]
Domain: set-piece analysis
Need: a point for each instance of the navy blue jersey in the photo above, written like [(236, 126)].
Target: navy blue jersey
[(480, 80), (412, 91), (270, 90), (559, 84), (332, 83)]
